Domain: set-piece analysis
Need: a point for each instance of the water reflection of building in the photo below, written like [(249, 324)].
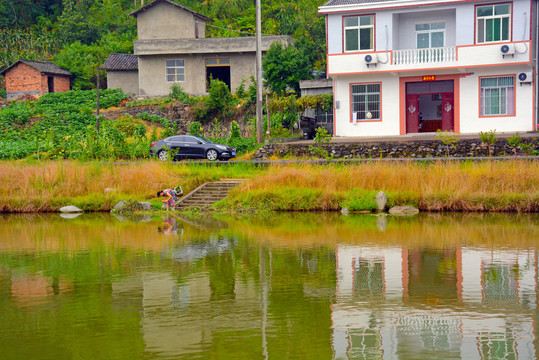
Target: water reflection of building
[(395, 303)]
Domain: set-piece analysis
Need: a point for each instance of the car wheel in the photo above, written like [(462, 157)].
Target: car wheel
[(162, 155), (211, 155)]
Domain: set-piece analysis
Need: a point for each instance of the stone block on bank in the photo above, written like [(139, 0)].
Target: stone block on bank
[(145, 205), (381, 200), (70, 209), (130, 206), (120, 205)]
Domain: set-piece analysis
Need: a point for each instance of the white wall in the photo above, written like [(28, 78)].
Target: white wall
[(470, 122), (407, 23), (389, 101), (460, 30)]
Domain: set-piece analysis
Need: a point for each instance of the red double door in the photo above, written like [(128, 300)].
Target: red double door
[(412, 112)]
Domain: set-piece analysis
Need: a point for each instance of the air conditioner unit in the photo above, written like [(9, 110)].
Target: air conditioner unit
[(371, 59), (525, 78), (508, 49)]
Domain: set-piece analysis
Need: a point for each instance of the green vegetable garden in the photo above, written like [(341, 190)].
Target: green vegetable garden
[(62, 125)]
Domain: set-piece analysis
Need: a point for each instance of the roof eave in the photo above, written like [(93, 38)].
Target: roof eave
[(155, 2), (323, 10)]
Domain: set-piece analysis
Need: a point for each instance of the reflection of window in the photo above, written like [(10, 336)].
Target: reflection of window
[(366, 102), (493, 23), (365, 344), (175, 70), (359, 33), (430, 35), (498, 95), (497, 345), (499, 282), (368, 278)]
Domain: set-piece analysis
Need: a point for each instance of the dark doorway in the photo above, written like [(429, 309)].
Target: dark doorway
[(218, 69), (50, 84), (429, 106)]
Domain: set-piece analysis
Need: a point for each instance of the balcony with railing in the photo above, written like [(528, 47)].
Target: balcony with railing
[(425, 56)]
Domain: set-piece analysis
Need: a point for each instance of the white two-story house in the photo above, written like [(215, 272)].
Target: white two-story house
[(412, 66)]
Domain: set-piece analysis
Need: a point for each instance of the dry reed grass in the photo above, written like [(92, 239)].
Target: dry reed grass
[(469, 186), (46, 186), (440, 186), (452, 177)]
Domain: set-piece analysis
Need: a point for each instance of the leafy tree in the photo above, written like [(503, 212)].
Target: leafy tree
[(83, 60), (285, 66), (87, 21), (24, 13), (73, 24)]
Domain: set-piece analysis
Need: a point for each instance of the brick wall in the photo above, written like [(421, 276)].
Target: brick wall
[(62, 83), (23, 79)]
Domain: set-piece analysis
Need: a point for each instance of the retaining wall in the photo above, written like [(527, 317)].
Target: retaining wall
[(411, 149)]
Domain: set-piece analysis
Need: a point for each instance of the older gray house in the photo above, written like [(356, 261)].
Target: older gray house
[(172, 48)]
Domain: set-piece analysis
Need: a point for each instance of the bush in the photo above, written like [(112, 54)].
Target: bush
[(219, 100), (235, 132), (155, 119), (357, 200), (177, 93), (199, 110), (194, 128)]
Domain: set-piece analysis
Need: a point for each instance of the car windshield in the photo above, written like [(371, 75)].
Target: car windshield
[(205, 140)]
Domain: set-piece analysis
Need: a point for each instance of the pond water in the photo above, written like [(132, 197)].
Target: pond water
[(289, 286)]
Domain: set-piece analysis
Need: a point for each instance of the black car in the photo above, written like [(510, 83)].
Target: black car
[(190, 147)]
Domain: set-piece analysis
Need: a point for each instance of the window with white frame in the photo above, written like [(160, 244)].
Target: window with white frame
[(430, 35), (493, 23), (498, 95), (359, 33), (175, 70), (365, 102)]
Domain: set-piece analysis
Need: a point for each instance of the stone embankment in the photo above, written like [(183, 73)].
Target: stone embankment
[(398, 149), (175, 112)]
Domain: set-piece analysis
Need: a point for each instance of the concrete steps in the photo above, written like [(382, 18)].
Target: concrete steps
[(208, 194)]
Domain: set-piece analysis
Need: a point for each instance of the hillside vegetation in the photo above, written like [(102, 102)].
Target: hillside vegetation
[(79, 34)]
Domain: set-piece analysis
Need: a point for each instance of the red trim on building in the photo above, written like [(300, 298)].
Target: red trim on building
[(456, 98)]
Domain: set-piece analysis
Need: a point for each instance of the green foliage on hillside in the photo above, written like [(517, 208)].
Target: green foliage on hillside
[(79, 34)]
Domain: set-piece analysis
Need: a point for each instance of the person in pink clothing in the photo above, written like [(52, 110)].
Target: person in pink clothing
[(171, 197)]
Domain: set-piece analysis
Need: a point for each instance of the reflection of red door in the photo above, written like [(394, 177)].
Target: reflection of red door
[(448, 110), (412, 113)]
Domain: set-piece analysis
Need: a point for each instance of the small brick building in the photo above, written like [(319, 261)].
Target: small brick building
[(35, 78)]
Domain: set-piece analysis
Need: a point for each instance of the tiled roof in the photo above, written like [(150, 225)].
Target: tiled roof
[(121, 62), (353, 2), (147, 6), (46, 67)]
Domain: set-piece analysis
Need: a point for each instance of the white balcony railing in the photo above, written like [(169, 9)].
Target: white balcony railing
[(425, 56)]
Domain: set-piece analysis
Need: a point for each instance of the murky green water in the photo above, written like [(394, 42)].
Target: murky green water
[(293, 286)]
